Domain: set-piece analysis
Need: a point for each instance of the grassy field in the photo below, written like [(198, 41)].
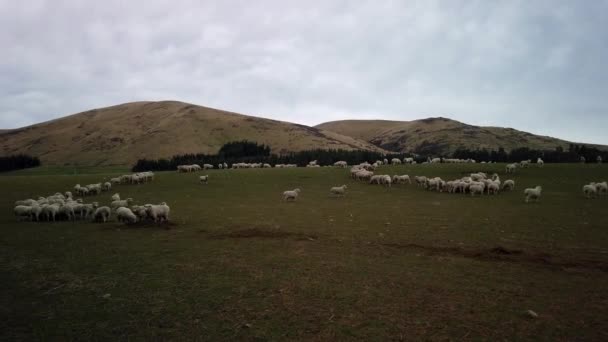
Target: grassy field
[(379, 264)]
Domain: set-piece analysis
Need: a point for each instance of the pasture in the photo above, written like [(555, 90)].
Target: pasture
[(238, 263)]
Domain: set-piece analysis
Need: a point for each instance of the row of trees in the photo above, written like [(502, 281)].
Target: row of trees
[(251, 152), (17, 162), (559, 155)]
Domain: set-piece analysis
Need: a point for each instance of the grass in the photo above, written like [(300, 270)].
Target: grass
[(379, 264)]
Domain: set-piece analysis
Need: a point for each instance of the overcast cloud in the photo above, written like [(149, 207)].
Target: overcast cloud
[(538, 66)]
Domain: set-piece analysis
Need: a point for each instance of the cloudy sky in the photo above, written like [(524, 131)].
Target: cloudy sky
[(539, 66)]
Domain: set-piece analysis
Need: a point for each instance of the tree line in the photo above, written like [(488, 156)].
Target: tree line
[(252, 152), (18, 162)]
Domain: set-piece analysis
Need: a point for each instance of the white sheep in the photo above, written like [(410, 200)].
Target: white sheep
[(101, 214), (121, 203), (511, 168), (291, 194), (338, 190), (341, 164), (159, 212), (395, 161), (401, 179), (509, 184), (533, 193), (599, 159), (540, 162), (602, 188), (203, 179), (116, 197), (124, 214), (476, 188), (23, 211), (590, 190)]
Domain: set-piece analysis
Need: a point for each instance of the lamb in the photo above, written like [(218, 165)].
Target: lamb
[(590, 190), (121, 203), (509, 184), (125, 215), (116, 197), (533, 193), (291, 194), (203, 179), (158, 212), (101, 213)]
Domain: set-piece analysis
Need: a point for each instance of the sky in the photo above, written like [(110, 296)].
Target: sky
[(538, 66)]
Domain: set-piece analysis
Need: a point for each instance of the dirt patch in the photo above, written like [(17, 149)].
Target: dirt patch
[(503, 254), (252, 233)]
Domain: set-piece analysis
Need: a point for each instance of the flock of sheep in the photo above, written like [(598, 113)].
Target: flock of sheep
[(64, 207)]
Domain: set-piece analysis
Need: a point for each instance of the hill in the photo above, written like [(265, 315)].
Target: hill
[(439, 136), (119, 135)]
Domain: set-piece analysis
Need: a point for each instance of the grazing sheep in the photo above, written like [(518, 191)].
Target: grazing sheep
[(121, 203), (493, 187), (116, 197), (599, 159), (50, 211), (101, 214), (420, 180), (159, 212), (341, 164), (106, 186), (124, 214), (363, 175), (395, 161), (338, 190), (583, 160), (408, 160), (509, 184), (533, 193), (291, 194), (203, 179), (376, 179)]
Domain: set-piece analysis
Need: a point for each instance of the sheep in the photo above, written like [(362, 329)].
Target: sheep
[(386, 180), (583, 160), (511, 168), (158, 212), (207, 166), (121, 203), (540, 162), (401, 179), (338, 190), (420, 180), (116, 197), (376, 179), (590, 190), (602, 188), (385, 161), (509, 184), (363, 175), (106, 186), (291, 194), (124, 214), (599, 159), (22, 211), (50, 211), (203, 179), (115, 180), (101, 213), (493, 187), (476, 188), (341, 164), (524, 163), (140, 212), (533, 193), (408, 160), (395, 161)]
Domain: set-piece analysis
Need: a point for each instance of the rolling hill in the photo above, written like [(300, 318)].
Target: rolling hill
[(439, 136), (119, 135)]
